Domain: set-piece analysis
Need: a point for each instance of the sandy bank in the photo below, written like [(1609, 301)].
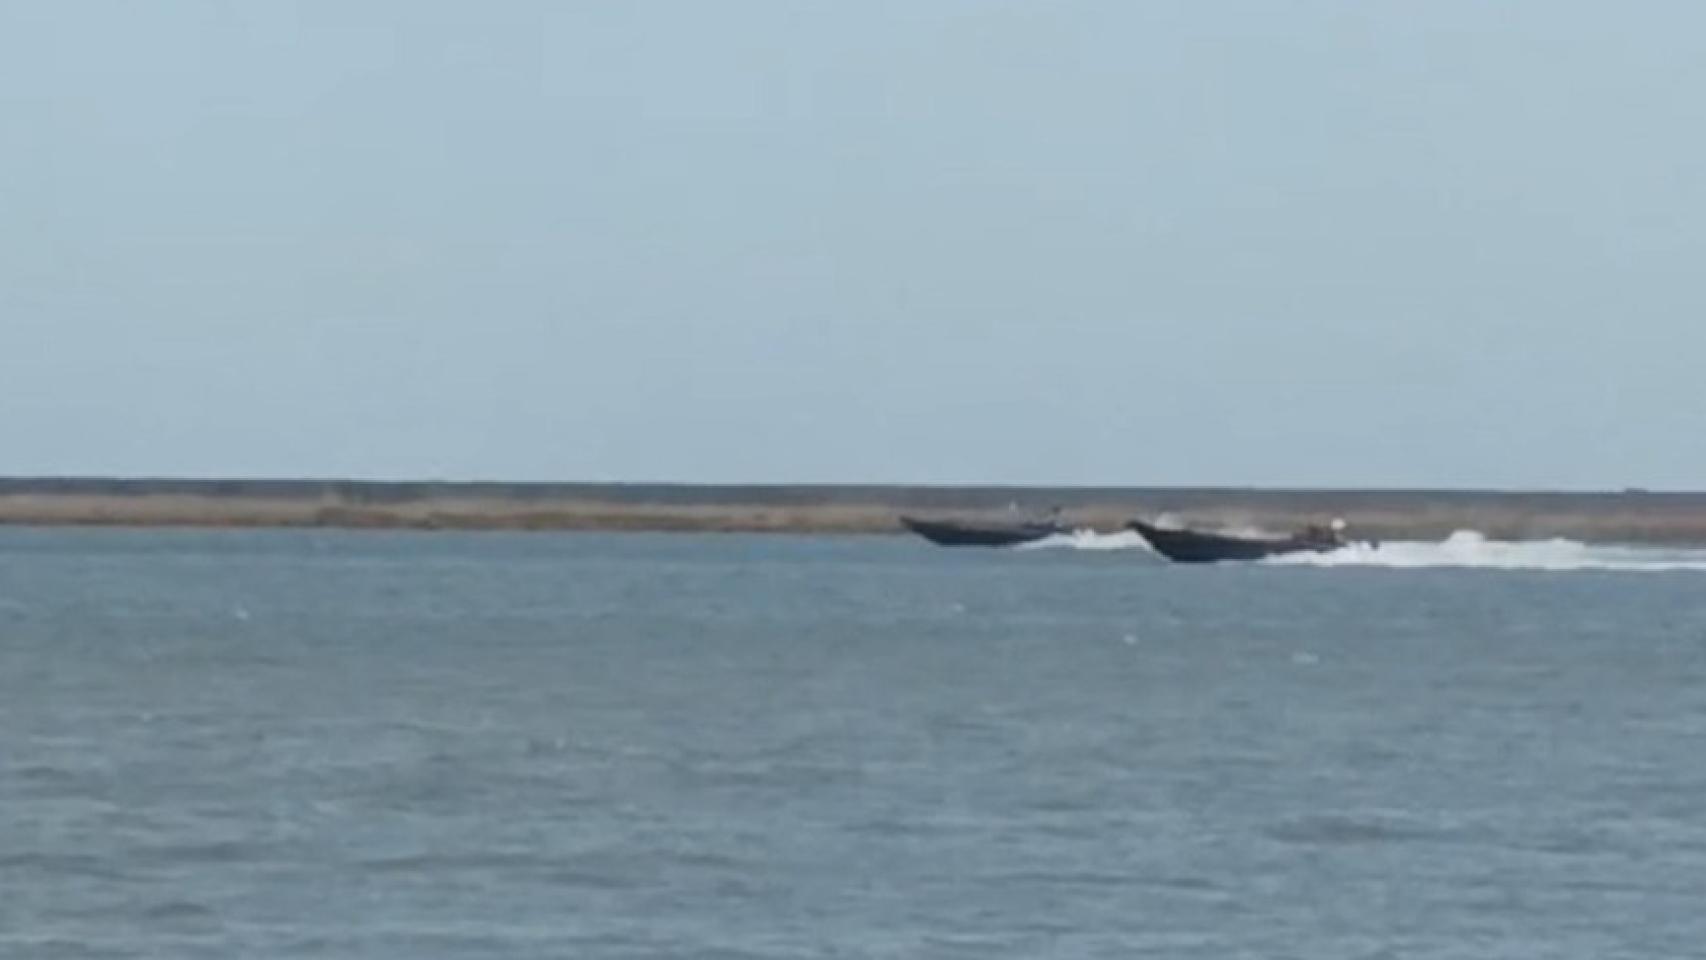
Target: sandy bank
[(1672, 518)]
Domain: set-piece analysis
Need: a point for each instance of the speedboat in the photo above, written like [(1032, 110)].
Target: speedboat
[(952, 533), (1196, 546)]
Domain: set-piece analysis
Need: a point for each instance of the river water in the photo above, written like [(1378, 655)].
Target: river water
[(390, 746)]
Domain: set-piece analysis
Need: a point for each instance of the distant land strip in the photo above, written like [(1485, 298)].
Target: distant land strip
[(1634, 517)]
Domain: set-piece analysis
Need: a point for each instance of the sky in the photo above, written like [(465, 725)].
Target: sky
[(1337, 244)]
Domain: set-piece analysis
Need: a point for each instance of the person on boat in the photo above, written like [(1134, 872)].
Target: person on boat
[(1329, 535)]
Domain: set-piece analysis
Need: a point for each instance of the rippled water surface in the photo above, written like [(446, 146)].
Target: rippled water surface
[(527, 746)]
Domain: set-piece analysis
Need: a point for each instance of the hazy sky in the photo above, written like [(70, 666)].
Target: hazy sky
[(1120, 242)]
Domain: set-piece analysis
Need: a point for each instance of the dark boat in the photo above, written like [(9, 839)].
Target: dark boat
[(950, 533), (1194, 546)]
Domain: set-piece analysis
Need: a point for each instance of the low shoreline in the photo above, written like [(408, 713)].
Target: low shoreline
[(1630, 517)]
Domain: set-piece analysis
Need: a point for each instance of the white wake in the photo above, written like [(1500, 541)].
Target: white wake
[(1467, 548), (1089, 540)]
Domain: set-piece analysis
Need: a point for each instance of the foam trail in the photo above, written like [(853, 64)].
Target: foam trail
[(1089, 540), (1467, 548)]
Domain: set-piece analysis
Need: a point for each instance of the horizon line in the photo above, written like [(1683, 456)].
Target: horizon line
[(335, 480)]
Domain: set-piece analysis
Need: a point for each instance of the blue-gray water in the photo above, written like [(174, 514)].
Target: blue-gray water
[(526, 746)]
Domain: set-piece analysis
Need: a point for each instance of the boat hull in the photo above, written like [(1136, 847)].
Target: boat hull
[(948, 533), (1192, 546)]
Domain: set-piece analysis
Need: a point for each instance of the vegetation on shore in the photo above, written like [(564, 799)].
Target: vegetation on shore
[(1630, 517)]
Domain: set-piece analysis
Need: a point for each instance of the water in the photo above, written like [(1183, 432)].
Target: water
[(522, 746)]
